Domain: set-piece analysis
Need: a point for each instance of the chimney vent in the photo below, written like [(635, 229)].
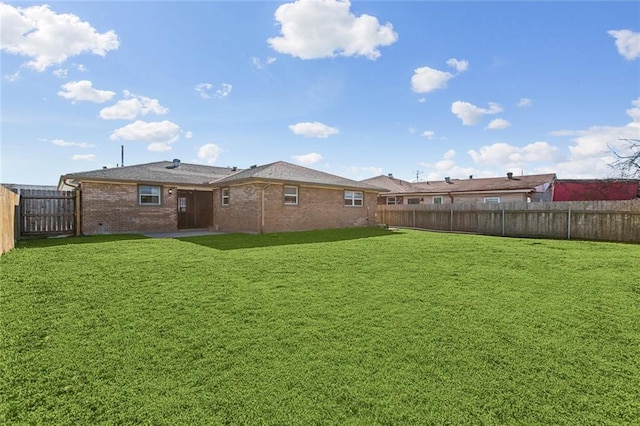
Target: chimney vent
[(234, 168), (470, 176), (391, 175), (253, 166), (509, 175), (447, 179), (176, 163)]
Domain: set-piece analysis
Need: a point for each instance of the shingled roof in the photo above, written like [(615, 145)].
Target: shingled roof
[(160, 172), (281, 171), (513, 183)]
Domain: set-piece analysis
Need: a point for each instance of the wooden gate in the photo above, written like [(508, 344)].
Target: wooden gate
[(47, 212)]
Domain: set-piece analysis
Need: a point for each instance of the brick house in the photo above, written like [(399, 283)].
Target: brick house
[(168, 196), (472, 190)]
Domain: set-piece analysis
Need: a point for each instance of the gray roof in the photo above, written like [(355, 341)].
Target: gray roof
[(516, 184), (389, 183), (159, 172), (281, 171)]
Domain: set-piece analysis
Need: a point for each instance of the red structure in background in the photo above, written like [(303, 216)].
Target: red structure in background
[(595, 189)]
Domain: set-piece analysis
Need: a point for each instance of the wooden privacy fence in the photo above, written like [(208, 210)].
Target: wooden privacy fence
[(584, 220), (8, 207), (47, 212)]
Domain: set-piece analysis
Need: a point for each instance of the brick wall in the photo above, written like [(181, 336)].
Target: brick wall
[(318, 208), (113, 208)]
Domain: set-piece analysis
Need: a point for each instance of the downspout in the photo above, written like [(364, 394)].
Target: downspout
[(262, 215)]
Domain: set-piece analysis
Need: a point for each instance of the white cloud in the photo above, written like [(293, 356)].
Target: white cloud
[(498, 123), (313, 130), (209, 152), (12, 77), (422, 100), (61, 72), (446, 167), (260, 64), (60, 142), (83, 91), (310, 158), (81, 68), (188, 135), (160, 135), (459, 65), (132, 107), (224, 90), (627, 42), (204, 90), (471, 114), (312, 29), (50, 38), (83, 157), (596, 141), (426, 79), (524, 102), (506, 155), (429, 134)]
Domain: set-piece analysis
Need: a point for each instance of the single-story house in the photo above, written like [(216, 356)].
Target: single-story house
[(472, 190), (595, 189), (167, 196)]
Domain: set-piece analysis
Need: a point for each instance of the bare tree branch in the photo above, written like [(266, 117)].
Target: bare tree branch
[(628, 158)]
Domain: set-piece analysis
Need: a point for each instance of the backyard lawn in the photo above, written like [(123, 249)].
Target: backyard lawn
[(359, 326)]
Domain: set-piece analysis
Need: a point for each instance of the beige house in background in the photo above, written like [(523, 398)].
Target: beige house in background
[(483, 190)]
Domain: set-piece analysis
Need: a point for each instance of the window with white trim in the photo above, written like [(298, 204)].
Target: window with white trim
[(413, 200), (225, 196), (149, 195), (438, 199), (353, 198), (491, 199), (291, 195), (392, 201)]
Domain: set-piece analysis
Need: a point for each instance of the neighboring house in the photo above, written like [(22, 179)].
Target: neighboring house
[(167, 196), (595, 189), (472, 190)]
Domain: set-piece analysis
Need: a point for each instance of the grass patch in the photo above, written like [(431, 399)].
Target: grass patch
[(360, 326)]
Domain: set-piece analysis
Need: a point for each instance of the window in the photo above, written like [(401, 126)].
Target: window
[(491, 199), (392, 201), (149, 195), (291, 195), (182, 204), (225, 196), (413, 200), (353, 198), (438, 199)]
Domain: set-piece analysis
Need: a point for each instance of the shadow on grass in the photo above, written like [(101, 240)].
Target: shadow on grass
[(63, 241), (244, 241)]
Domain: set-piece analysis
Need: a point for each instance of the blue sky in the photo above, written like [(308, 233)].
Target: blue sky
[(418, 89)]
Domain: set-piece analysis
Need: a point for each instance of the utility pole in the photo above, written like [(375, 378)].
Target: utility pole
[(418, 173), (121, 155)]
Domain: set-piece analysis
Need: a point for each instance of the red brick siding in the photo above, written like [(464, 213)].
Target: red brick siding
[(318, 208), (113, 208)]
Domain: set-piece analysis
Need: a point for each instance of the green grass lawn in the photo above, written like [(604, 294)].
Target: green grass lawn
[(361, 326)]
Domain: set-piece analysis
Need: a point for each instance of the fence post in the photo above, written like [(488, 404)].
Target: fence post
[(503, 222), (451, 219), (414, 218), (569, 224), (77, 212)]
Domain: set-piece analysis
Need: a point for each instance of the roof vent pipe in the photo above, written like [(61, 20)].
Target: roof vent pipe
[(390, 175), (176, 163), (447, 179), (470, 176), (509, 175)]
